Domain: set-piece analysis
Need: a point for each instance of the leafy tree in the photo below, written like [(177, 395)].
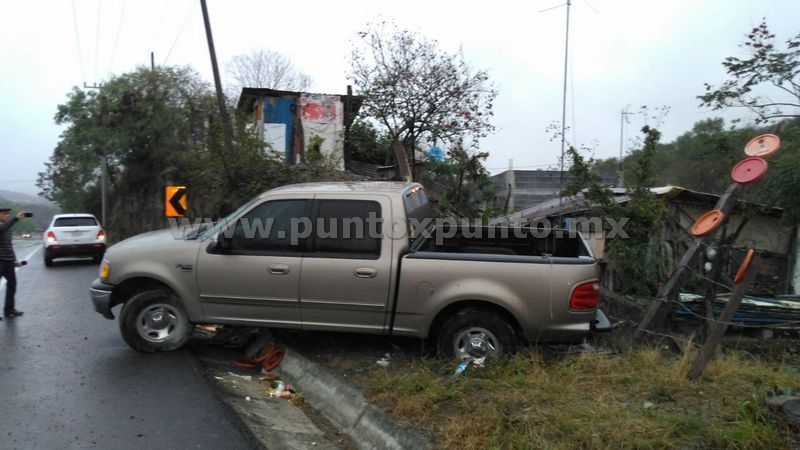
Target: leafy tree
[(632, 258), (782, 182), (766, 81), (147, 125), (368, 144), (462, 182), (262, 68), (416, 91), (154, 129)]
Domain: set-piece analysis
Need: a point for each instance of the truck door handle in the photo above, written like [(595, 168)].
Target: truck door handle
[(365, 272), (278, 269)]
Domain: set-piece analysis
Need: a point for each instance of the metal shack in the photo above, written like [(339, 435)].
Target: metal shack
[(297, 123), (750, 226)]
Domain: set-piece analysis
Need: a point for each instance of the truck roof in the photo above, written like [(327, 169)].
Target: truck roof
[(347, 186)]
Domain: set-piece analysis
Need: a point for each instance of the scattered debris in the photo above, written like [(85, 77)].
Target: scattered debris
[(787, 405), (460, 369), (267, 357), (206, 331), (385, 361), (780, 312), (242, 377)]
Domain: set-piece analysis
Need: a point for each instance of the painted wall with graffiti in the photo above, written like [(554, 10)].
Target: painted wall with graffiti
[(322, 118), (296, 124)]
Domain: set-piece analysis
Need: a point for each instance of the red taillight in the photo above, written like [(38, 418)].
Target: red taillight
[(585, 296), (101, 235), (51, 237)]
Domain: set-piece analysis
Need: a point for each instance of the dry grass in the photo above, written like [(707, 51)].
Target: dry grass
[(640, 399)]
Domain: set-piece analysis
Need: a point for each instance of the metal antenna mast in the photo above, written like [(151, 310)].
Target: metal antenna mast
[(623, 119), (564, 97)]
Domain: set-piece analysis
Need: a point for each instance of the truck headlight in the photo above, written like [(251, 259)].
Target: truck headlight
[(105, 269)]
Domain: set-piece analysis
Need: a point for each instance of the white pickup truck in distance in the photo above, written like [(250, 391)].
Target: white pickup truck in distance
[(338, 257)]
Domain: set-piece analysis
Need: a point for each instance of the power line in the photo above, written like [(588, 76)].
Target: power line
[(78, 41), (97, 43), (523, 167), (178, 36), (116, 40)]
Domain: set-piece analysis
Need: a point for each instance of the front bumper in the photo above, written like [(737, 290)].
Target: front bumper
[(101, 298)]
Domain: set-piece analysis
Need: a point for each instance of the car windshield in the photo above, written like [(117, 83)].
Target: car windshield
[(224, 221)]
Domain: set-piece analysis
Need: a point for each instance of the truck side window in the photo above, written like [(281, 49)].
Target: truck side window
[(347, 229), (267, 228)]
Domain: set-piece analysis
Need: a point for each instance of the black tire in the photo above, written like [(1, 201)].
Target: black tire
[(97, 258), (154, 321), (485, 325), (48, 261)]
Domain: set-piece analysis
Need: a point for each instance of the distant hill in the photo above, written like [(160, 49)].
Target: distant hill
[(26, 199), (43, 210)]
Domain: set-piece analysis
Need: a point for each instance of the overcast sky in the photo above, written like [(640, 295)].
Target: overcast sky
[(622, 52)]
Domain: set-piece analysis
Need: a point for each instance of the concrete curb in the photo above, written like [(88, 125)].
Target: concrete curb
[(345, 406)]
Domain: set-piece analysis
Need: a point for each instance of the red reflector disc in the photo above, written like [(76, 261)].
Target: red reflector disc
[(749, 170), (743, 268), (763, 145), (707, 223)]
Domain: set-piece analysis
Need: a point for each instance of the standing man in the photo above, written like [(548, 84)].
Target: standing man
[(8, 260)]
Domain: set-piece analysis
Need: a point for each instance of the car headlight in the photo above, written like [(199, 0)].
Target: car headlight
[(105, 269)]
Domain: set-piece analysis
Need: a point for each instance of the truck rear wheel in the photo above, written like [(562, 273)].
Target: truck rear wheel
[(154, 321), (477, 334)]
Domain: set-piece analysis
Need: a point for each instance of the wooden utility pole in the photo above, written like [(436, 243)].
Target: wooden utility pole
[(223, 111), (721, 324), (659, 309)]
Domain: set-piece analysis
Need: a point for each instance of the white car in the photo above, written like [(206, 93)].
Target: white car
[(73, 235)]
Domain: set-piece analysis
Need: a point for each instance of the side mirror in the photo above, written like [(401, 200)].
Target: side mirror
[(221, 243)]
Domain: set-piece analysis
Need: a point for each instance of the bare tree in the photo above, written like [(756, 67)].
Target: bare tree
[(766, 81), (262, 68), (417, 91)]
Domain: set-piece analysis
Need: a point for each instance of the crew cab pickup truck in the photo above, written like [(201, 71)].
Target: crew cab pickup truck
[(359, 257)]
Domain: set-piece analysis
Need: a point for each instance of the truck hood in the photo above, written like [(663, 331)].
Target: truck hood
[(154, 254), (151, 238)]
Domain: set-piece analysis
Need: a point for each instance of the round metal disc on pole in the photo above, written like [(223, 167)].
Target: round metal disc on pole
[(763, 145), (749, 170), (743, 267), (707, 223)]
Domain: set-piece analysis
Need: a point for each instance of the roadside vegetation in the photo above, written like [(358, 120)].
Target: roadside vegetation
[(637, 399)]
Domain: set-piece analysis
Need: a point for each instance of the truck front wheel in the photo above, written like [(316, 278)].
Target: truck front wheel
[(477, 334), (154, 321)]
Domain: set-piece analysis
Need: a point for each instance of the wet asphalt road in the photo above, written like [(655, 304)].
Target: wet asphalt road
[(67, 379)]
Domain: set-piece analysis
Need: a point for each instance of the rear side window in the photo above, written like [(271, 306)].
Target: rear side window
[(348, 229), (75, 222)]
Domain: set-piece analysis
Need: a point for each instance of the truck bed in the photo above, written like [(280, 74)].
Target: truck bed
[(529, 275)]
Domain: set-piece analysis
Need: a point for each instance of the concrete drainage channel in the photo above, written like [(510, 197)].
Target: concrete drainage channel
[(278, 424)]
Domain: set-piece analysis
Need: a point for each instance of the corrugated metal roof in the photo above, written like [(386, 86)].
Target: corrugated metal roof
[(571, 205)]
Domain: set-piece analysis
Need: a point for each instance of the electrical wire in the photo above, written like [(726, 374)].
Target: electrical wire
[(116, 39), (522, 167), (97, 43), (78, 41), (180, 31)]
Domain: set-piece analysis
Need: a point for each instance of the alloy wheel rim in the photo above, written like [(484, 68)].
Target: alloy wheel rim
[(476, 343), (157, 323)]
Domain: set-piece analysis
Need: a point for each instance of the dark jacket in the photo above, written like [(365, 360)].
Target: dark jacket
[(6, 246)]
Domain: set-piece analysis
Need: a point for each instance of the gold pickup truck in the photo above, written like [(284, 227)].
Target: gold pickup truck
[(359, 257)]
